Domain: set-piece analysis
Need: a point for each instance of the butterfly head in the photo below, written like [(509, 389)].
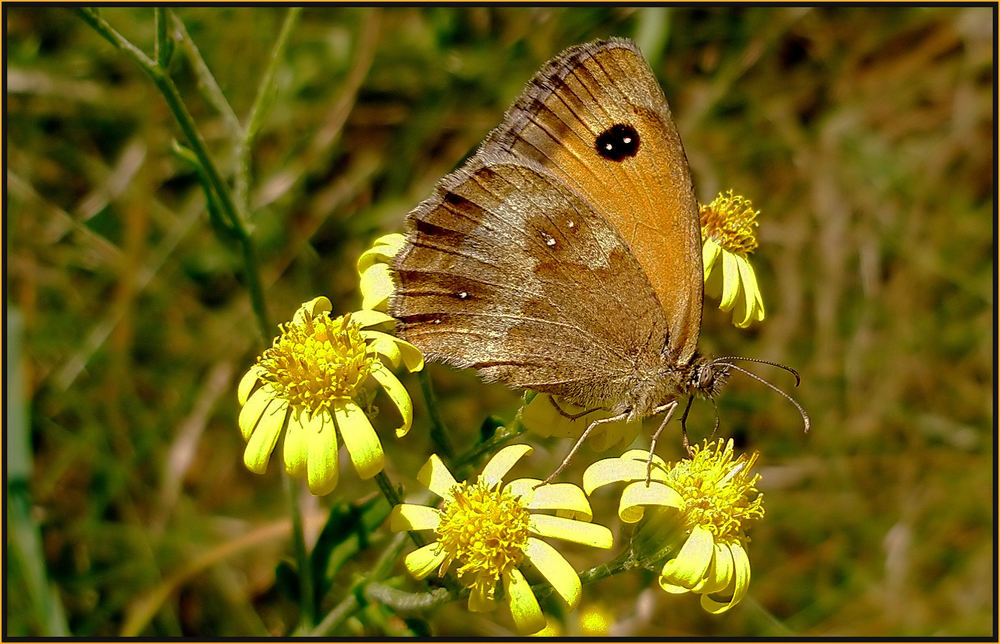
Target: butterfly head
[(707, 377)]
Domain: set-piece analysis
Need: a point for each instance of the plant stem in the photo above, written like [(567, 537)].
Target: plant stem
[(220, 190), (259, 110), (392, 496), (439, 433), (206, 81), (333, 619), (307, 613)]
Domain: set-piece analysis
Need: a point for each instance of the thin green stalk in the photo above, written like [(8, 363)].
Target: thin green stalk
[(439, 432), (163, 47), (347, 606), (258, 110), (307, 613), (622, 563), (195, 141), (206, 81), (392, 496)]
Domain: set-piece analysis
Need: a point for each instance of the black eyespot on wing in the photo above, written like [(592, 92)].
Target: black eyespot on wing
[(617, 142)]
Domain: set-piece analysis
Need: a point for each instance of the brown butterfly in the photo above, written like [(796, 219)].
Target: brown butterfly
[(565, 255)]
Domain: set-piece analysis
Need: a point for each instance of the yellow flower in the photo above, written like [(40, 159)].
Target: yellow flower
[(728, 232), (309, 383), (488, 531), (541, 417), (373, 268), (700, 509)]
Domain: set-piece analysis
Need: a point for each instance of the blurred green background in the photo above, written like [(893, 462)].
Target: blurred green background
[(864, 135)]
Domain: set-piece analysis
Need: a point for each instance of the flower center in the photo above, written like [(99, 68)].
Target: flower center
[(485, 530), (316, 361), (731, 222), (719, 492)]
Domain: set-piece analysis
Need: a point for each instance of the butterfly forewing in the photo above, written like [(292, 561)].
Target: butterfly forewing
[(596, 118), (510, 271)]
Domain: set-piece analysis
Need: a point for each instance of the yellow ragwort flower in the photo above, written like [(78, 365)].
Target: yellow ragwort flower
[(728, 233), (373, 270), (541, 417), (701, 509), (315, 382), (488, 531)]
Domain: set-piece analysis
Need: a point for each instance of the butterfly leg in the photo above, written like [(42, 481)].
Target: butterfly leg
[(669, 408), (566, 414), (684, 431), (579, 442)]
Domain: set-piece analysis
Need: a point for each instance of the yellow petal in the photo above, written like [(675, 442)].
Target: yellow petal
[(713, 283), (643, 456), (502, 461), (685, 571), (382, 250), (523, 606), (709, 254), (265, 436), (541, 417), (295, 451), (376, 286), (396, 351), (637, 496), (618, 470), (556, 570), (720, 573), (590, 534), (741, 582), (730, 281), (311, 309), (566, 498), (247, 383), (253, 408), (434, 475), (321, 436), (359, 438), (367, 318), (398, 394), (407, 516), (608, 435), (480, 601), (423, 561), (751, 295), (523, 488)]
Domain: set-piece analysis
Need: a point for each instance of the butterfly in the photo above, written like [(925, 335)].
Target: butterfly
[(565, 255)]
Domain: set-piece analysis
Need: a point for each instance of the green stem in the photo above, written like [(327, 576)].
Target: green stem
[(439, 433), (259, 110), (622, 563), (404, 601), (347, 606), (392, 496), (206, 81), (308, 613), (163, 46), (195, 141)]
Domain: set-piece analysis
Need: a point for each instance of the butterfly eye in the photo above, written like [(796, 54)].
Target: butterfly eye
[(617, 142)]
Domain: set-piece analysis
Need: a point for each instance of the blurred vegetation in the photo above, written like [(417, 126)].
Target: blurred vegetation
[(865, 136)]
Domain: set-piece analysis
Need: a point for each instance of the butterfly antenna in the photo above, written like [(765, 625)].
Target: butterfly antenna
[(805, 416), (726, 359)]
